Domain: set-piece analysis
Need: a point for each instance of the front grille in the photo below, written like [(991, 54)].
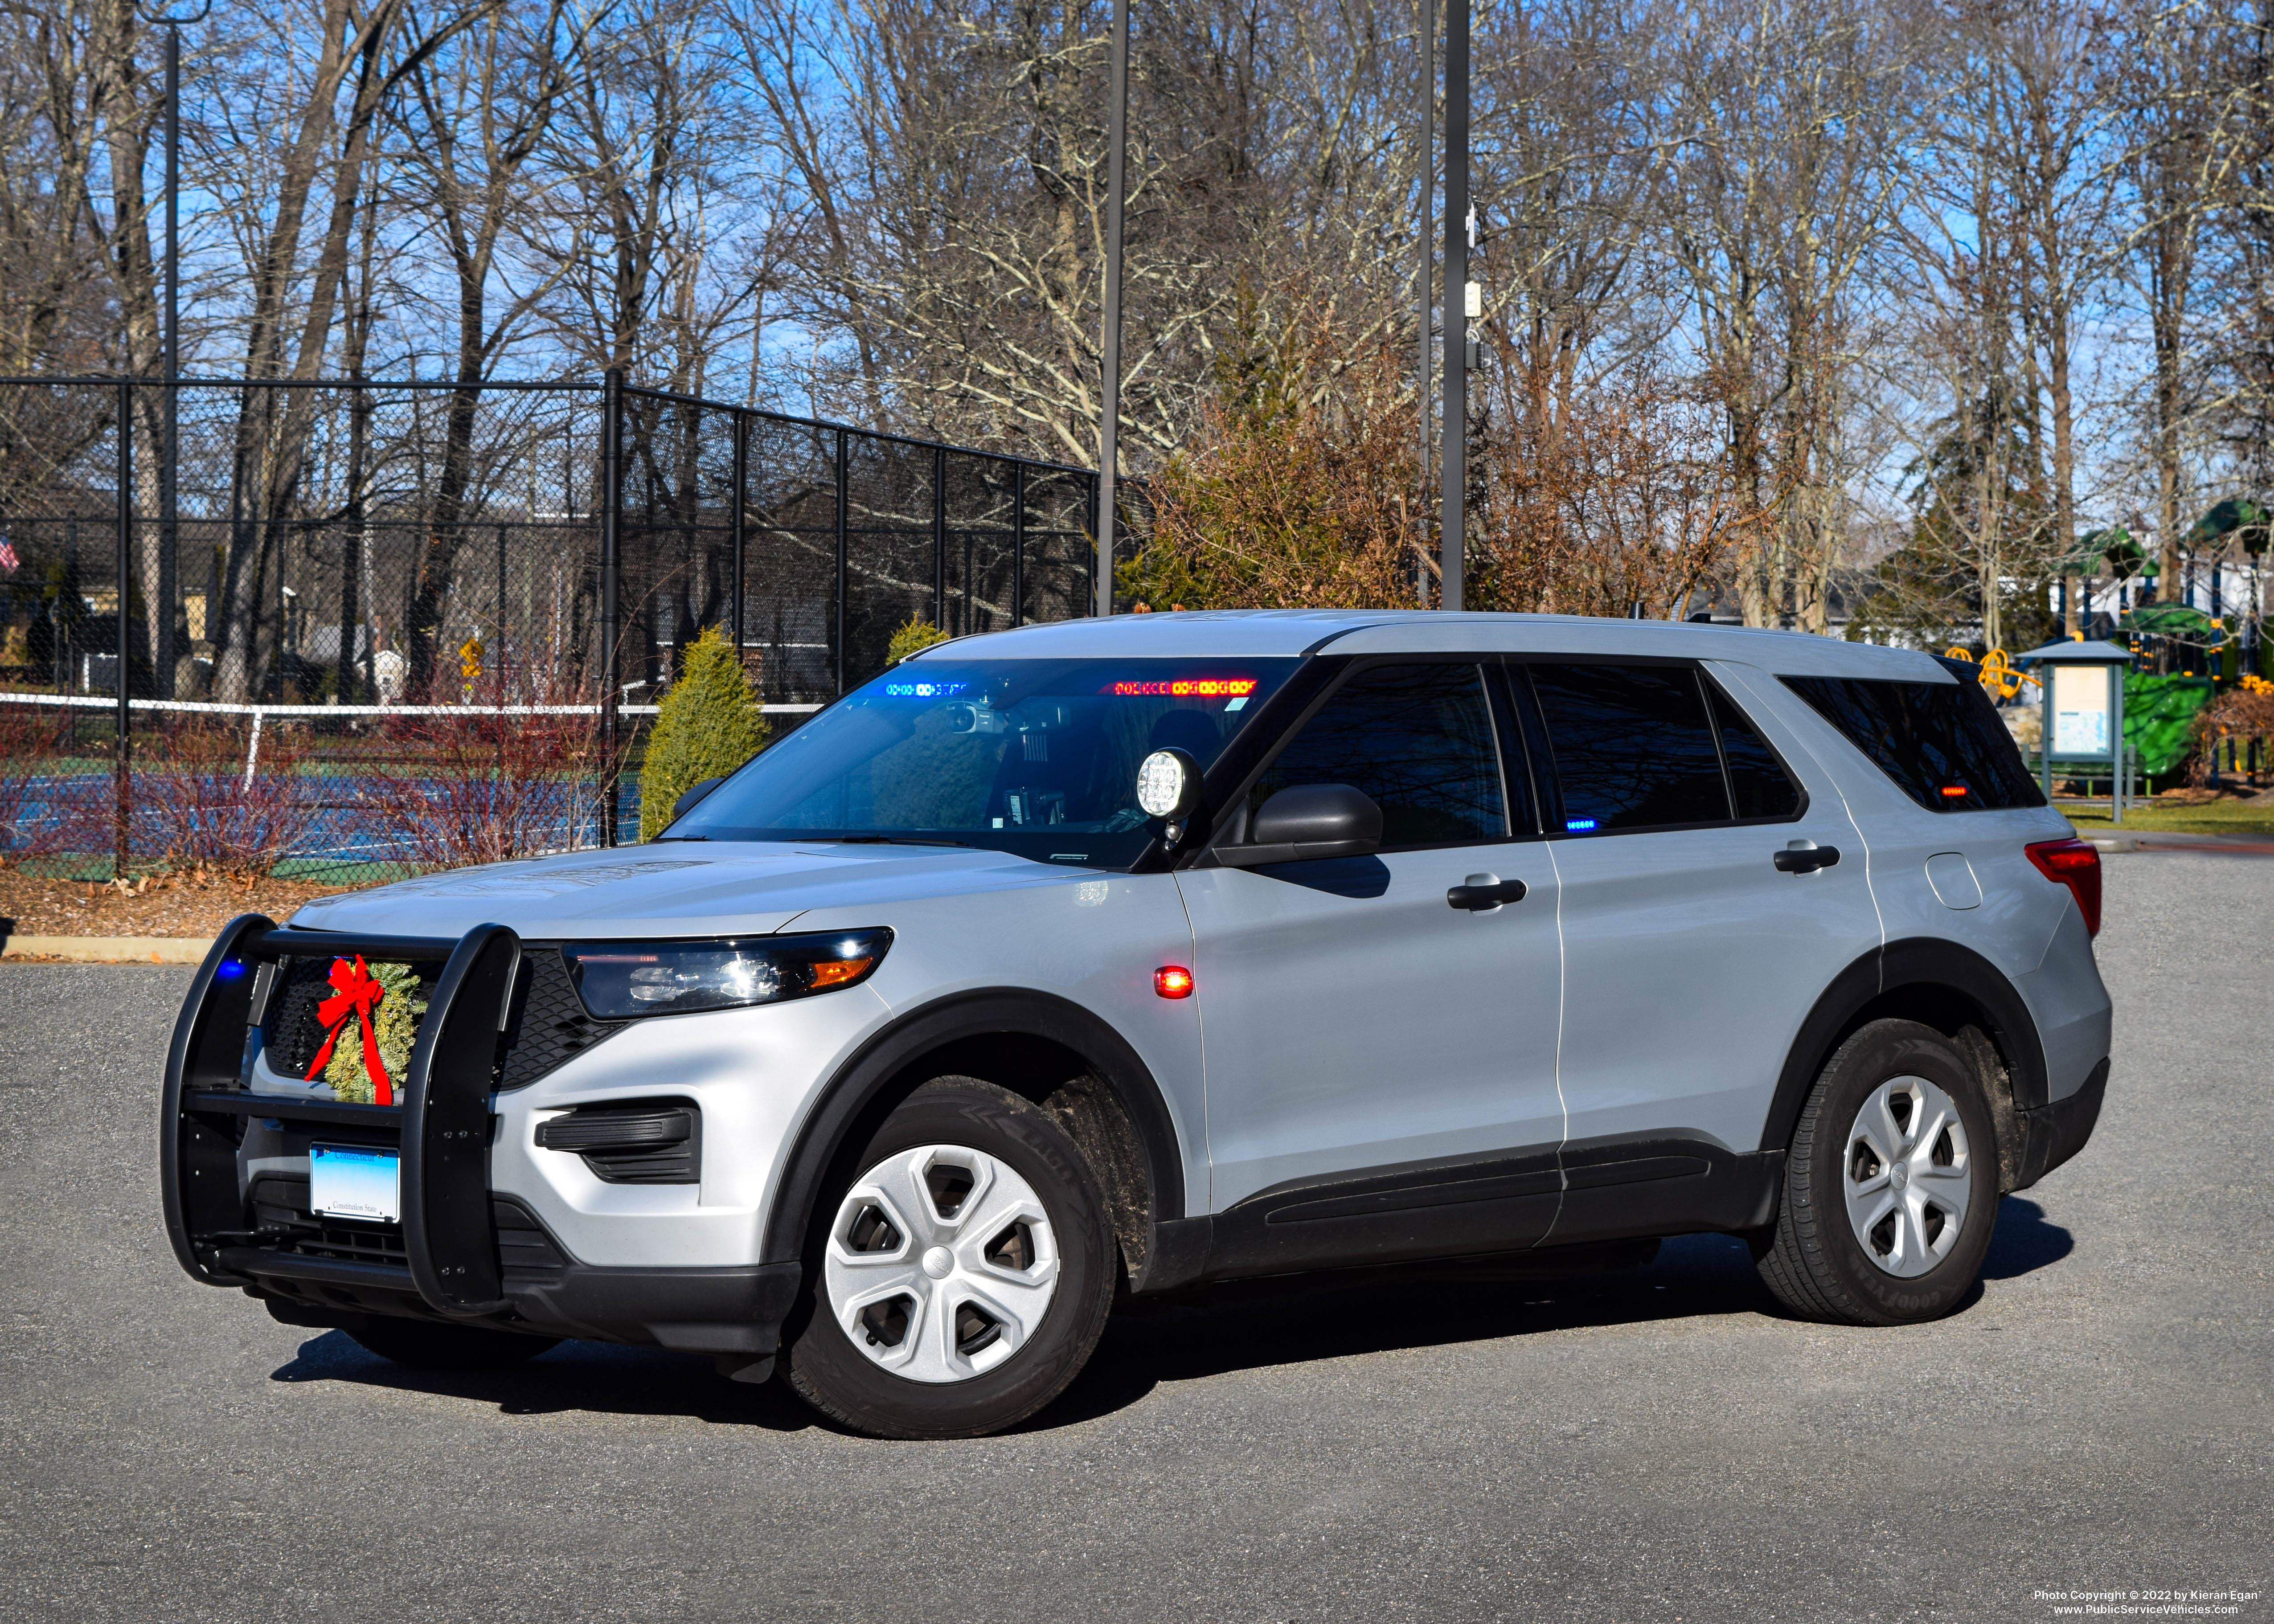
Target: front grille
[(292, 1034), (282, 1220), (546, 1027)]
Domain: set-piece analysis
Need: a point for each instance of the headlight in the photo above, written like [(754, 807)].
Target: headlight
[(622, 980)]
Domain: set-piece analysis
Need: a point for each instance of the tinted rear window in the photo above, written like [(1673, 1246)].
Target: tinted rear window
[(1758, 781), (1942, 743), (1633, 747)]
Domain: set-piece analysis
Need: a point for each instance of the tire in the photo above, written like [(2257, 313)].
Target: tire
[(959, 1276), (1890, 1185), (425, 1345)]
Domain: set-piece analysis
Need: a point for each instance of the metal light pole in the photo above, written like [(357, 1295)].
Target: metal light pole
[(1421, 390), (169, 415), (1108, 428), (1454, 459)]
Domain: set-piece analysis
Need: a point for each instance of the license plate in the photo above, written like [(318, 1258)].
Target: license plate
[(346, 1182)]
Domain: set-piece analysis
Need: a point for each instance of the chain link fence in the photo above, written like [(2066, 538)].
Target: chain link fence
[(328, 619)]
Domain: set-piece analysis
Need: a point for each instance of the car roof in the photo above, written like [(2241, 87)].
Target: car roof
[(1264, 634)]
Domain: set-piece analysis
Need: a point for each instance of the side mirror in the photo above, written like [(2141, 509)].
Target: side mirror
[(1308, 821), (685, 803)]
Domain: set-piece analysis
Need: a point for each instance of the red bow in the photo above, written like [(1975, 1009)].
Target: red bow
[(356, 992)]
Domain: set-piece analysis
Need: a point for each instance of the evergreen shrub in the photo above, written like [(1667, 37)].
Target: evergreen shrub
[(913, 638), (707, 724)]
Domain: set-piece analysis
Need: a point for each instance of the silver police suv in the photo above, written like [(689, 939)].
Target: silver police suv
[(1116, 956)]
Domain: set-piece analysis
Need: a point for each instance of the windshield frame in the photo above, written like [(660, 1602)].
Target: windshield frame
[(1131, 848)]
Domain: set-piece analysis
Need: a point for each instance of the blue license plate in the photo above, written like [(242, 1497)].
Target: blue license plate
[(345, 1181)]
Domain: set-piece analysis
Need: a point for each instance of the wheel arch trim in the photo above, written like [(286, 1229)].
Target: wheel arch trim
[(858, 1084), (1929, 965)]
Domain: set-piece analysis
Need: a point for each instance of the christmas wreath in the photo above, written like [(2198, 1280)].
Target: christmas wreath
[(382, 1001)]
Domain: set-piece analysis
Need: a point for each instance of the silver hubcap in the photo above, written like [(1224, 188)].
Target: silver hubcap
[(941, 1264), (1907, 1177)]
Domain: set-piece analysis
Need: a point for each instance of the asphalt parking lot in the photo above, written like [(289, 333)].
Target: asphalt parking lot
[(1448, 1444)]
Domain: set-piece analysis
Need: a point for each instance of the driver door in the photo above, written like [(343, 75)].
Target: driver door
[(1380, 1063)]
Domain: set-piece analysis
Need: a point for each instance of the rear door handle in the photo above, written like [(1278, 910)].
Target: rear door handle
[(1477, 898), (1805, 858)]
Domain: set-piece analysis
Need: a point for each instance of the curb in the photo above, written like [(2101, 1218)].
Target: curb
[(107, 950)]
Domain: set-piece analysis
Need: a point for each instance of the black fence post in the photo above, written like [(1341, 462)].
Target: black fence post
[(939, 538), (1018, 543), (740, 476), (841, 617), (612, 509), (122, 765), (169, 535)]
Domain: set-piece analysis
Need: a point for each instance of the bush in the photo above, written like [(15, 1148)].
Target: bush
[(482, 789), (707, 725), (201, 807), (913, 638), (33, 800), (2233, 720)]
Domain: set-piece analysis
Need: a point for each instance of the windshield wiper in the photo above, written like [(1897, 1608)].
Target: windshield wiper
[(891, 840)]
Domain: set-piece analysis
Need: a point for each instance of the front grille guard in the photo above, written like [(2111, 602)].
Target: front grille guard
[(441, 1128)]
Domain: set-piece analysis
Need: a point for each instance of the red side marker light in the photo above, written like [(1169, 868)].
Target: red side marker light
[(1173, 981), (2075, 864)]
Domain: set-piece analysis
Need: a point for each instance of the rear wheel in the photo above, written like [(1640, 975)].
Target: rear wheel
[(425, 1345), (962, 1276), (1891, 1186)]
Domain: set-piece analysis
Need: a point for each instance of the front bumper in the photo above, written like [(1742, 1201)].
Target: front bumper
[(464, 1252)]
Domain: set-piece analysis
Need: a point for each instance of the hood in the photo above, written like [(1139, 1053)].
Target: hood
[(673, 888)]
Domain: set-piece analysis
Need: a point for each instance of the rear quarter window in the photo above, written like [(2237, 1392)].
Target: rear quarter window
[(1942, 743)]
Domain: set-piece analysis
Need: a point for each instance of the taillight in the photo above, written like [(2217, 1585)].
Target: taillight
[(2075, 864)]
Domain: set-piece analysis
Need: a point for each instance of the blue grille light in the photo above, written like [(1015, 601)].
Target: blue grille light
[(230, 969)]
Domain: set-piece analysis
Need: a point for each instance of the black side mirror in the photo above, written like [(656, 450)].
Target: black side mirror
[(1308, 821), (685, 803)]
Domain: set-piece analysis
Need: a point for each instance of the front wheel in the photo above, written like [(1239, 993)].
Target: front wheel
[(964, 1273), (1891, 1186)]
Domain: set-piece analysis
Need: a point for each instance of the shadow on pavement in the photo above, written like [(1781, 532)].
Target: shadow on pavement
[(599, 1377), (1252, 1324), (1210, 1331), (2023, 1241)]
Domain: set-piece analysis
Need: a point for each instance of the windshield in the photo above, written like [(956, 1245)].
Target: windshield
[(1037, 757)]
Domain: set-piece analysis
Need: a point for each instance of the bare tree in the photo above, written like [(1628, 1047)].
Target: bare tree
[(1787, 123)]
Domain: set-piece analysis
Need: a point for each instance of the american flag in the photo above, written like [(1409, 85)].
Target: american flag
[(8, 560)]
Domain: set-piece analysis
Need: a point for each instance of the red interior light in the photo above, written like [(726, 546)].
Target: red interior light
[(1953, 792), (1185, 688), (2075, 864), (1173, 981)]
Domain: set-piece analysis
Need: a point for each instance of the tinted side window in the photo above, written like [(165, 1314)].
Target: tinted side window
[(1633, 747), (1758, 781), (1419, 739), (1942, 743)]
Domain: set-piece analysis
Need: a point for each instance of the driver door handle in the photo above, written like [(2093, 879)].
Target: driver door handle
[(1805, 858), (1476, 898)]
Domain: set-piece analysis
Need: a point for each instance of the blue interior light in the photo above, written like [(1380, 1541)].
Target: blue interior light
[(1579, 826)]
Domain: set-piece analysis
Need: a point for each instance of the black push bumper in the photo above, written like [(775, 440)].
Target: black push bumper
[(461, 1252)]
